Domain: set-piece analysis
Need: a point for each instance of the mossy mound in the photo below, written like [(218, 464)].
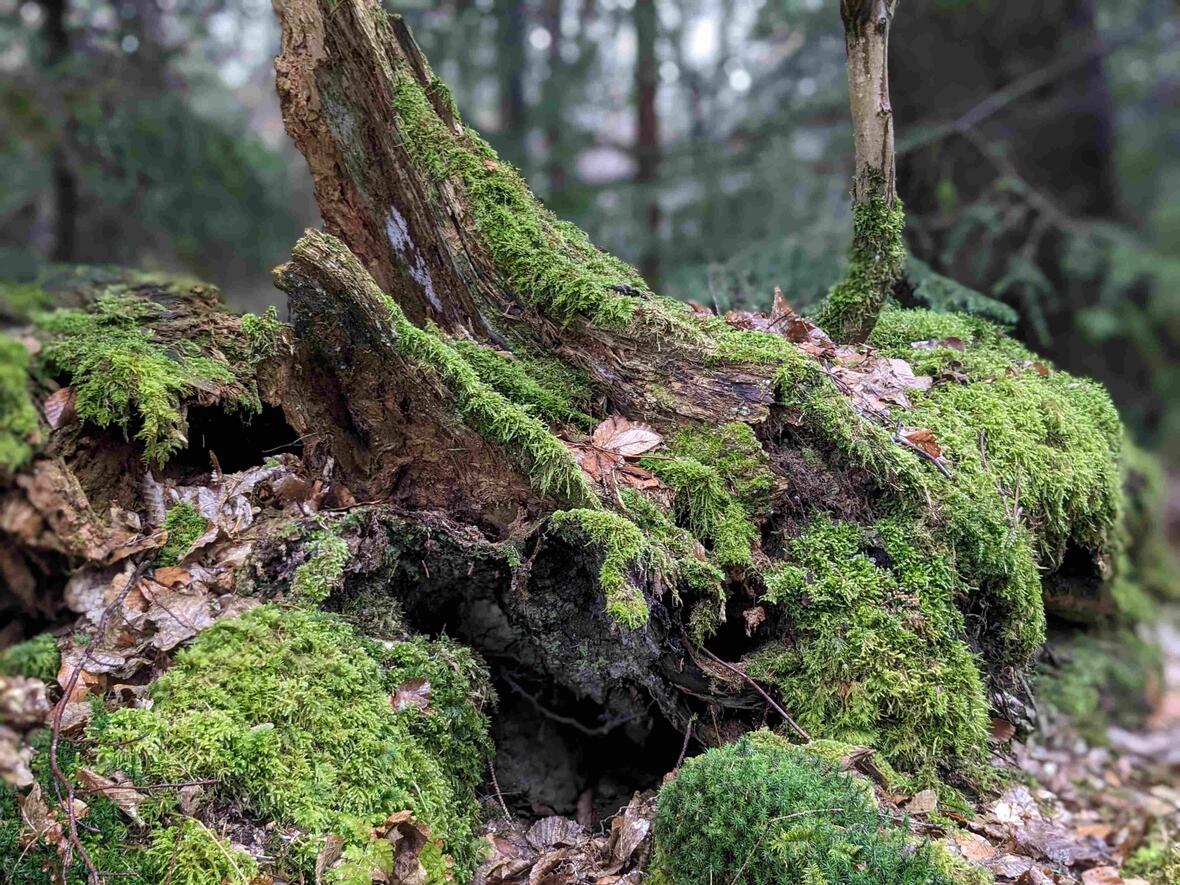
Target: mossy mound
[(763, 812), (878, 656), (289, 714), (184, 526)]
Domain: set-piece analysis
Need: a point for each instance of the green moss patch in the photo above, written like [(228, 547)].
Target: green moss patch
[(18, 417), (290, 712), (878, 656), (549, 263), (320, 574), (763, 812), (876, 262), (38, 658), (184, 525), (625, 552), (549, 389)]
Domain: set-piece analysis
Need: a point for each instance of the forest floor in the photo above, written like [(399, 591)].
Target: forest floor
[(1075, 811)]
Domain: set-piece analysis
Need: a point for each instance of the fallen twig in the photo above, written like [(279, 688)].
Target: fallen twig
[(67, 690), (778, 708)]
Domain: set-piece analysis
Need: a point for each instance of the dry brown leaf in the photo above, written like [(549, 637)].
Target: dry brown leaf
[(120, 791), (754, 618), (922, 803), (1002, 730), (1102, 876), (23, 703), (972, 846), (950, 343), (176, 615), (414, 693), (59, 407), (636, 477), (624, 437), (923, 439)]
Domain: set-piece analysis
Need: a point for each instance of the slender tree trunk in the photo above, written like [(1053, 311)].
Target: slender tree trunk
[(553, 103), (877, 258), (65, 183), (510, 62), (647, 135)]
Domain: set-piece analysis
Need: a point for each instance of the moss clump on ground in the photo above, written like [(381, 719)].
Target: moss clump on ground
[(878, 656), (184, 525), (290, 713), (625, 552), (182, 851), (1158, 863), (18, 417), (37, 658), (320, 574), (876, 262), (122, 376), (762, 812)]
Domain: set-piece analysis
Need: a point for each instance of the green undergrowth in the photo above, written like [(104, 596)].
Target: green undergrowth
[(1103, 678), (18, 417), (877, 656), (184, 525), (124, 377), (289, 712), (1158, 861), (763, 812), (38, 658)]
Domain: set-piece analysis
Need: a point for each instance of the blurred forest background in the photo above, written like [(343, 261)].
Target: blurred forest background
[(707, 141)]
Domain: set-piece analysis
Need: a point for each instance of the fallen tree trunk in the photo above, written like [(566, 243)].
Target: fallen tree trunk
[(651, 522)]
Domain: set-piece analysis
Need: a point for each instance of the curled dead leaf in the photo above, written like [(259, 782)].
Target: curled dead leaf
[(923, 439), (119, 790), (624, 437), (414, 692), (59, 407)]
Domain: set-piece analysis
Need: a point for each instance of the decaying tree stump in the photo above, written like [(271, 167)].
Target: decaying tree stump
[(647, 519)]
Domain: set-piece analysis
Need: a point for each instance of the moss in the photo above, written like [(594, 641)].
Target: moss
[(184, 525), (289, 712), (723, 483), (37, 658), (21, 300), (542, 456), (1157, 862), (122, 376), (188, 853), (761, 811), (320, 574), (958, 869), (876, 262), (540, 386), (262, 332), (678, 559), (1105, 680), (878, 656), (1050, 441), (18, 417), (624, 552), (548, 262)]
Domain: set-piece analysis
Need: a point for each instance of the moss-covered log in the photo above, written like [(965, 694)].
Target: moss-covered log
[(646, 520)]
